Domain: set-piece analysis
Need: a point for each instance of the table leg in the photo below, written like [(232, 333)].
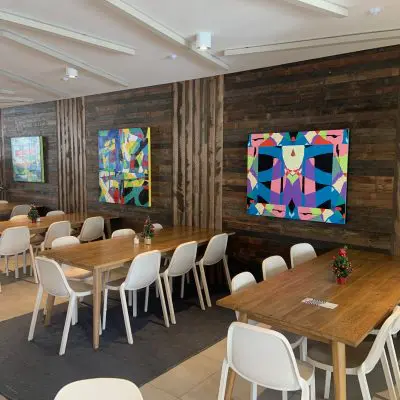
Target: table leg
[(97, 288), (49, 309), (339, 369), (107, 223), (230, 382)]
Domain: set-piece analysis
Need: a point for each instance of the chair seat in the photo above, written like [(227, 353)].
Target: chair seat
[(115, 285), (80, 288), (74, 273), (36, 240), (306, 370)]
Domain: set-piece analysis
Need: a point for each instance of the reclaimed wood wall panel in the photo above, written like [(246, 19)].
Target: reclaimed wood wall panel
[(32, 120), (151, 106), (359, 91), (198, 152), (71, 134)]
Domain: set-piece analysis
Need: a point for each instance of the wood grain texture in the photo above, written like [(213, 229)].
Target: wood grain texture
[(277, 301), (359, 91)]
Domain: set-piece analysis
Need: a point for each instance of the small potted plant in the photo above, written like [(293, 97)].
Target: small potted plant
[(148, 231), (33, 214), (341, 266)]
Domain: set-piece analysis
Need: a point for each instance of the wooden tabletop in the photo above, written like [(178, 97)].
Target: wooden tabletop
[(76, 219), (6, 208), (371, 293), (108, 253)]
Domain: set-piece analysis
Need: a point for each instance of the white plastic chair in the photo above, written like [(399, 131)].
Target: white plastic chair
[(301, 253), (183, 261), (320, 356), (21, 209), (71, 273), (157, 227), (55, 212), (56, 230), (53, 282), (392, 351), (265, 358), (100, 389), (20, 218), (3, 202), (92, 229), (214, 253), (123, 233), (144, 270), (272, 266)]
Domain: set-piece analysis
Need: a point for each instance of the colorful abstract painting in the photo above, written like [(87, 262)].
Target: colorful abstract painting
[(124, 163), (27, 159), (298, 175)]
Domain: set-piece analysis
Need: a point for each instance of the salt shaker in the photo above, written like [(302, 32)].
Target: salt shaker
[(136, 240)]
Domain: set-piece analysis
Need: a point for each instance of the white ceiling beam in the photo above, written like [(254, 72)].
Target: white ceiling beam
[(6, 91), (322, 5), (52, 52), (319, 42), (15, 99), (34, 84), (163, 31), (64, 32)]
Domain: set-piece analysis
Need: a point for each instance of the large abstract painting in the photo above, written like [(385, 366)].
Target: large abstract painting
[(27, 159), (124, 161), (298, 175)]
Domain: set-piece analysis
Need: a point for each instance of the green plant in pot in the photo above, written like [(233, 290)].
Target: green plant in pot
[(33, 214), (148, 231), (341, 266)]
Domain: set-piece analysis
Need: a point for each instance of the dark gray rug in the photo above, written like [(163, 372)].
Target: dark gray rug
[(34, 370)]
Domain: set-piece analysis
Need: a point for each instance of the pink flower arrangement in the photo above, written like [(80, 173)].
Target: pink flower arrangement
[(148, 229), (341, 266)]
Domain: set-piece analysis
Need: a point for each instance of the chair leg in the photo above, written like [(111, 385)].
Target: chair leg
[(33, 264), (74, 319), (388, 376), (169, 298), (228, 275), (253, 394), (105, 308), (134, 303), (6, 265), (157, 295), (16, 271), (303, 349), (162, 300), (126, 316), (200, 294), (188, 278), (130, 298), (284, 396), (362, 379), (171, 284), (328, 378), (223, 380), (205, 286), (38, 301), (312, 389), (68, 319), (183, 286), (24, 261), (146, 299), (394, 362)]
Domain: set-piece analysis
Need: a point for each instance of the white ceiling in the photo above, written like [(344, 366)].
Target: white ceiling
[(234, 24)]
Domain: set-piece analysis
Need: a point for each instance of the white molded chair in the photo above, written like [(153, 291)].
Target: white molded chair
[(272, 266), (214, 253), (123, 233), (21, 209), (100, 389), (183, 261), (92, 229), (55, 212), (71, 273), (3, 202), (301, 253), (56, 230), (361, 360), (20, 218), (53, 282), (157, 227), (265, 358), (144, 270)]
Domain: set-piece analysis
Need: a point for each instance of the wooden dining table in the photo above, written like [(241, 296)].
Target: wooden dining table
[(368, 297), (106, 255)]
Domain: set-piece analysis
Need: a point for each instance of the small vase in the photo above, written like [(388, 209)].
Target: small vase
[(147, 240), (341, 280), (34, 220)]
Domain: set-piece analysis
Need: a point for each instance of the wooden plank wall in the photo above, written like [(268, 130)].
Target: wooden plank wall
[(359, 91), (32, 120), (151, 106), (71, 134), (198, 152)]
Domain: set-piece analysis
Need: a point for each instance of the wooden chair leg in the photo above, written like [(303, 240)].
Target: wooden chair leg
[(49, 309)]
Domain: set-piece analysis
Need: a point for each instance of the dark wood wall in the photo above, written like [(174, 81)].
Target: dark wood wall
[(32, 120), (359, 91)]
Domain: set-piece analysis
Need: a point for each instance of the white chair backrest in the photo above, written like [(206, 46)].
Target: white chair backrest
[(123, 232), (15, 240), (157, 227), (272, 266), (21, 209), (92, 229), (3, 202), (64, 241), (20, 218), (240, 281), (396, 325), (216, 249), (301, 253), (263, 356), (55, 212), (52, 278), (183, 259), (56, 230), (143, 271)]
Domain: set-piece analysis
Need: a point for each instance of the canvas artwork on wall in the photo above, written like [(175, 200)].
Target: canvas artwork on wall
[(125, 168), (27, 159), (298, 175)]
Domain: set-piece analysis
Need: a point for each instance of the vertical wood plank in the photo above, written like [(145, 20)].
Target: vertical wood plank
[(182, 155), (175, 152), (196, 153), (83, 154), (396, 188), (2, 155), (211, 153), (203, 155), (59, 144), (219, 133), (189, 154)]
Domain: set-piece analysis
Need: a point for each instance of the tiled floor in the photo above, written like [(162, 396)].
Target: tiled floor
[(195, 379)]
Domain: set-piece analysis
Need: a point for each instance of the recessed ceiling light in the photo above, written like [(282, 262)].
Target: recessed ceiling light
[(203, 41), (173, 56), (374, 11), (70, 73)]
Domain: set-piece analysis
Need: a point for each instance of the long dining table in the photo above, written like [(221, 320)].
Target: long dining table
[(105, 255), (369, 296)]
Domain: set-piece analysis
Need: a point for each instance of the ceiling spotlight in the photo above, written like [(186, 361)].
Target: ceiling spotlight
[(173, 56), (374, 11), (70, 73), (203, 41)]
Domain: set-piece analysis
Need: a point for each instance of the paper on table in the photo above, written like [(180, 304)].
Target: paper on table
[(319, 303)]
